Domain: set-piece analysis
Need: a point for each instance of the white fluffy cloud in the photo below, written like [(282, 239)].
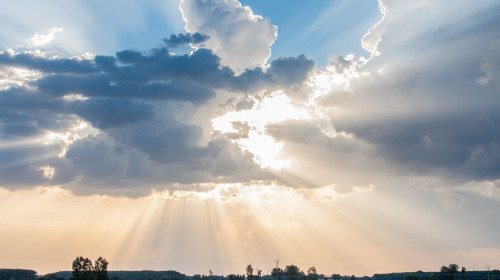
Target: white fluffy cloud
[(240, 38), (40, 39)]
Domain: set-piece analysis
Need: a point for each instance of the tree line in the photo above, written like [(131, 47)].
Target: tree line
[(85, 269)]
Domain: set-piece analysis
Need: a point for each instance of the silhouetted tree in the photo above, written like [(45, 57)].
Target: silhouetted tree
[(13, 273), (336, 277), (250, 275), (147, 274), (101, 269), (449, 272), (82, 269), (450, 269), (235, 277), (210, 276), (51, 276), (293, 272), (312, 273), (249, 270), (277, 272), (464, 273)]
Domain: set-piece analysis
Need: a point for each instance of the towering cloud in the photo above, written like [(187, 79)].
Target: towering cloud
[(240, 38)]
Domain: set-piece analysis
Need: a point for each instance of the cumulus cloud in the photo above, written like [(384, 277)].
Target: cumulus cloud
[(239, 37), (135, 104)]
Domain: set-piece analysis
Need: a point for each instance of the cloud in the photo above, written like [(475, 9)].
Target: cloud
[(491, 60), (137, 106), (321, 160), (47, 172), (241, 39), (38, 61), (282, 72), (183, 39), (417, 108), (425, 102), (132, 163), (45, 38)]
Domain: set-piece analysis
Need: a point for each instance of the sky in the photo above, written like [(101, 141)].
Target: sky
[(358, 137)]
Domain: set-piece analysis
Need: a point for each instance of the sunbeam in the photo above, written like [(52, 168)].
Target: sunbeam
[(187, 135)]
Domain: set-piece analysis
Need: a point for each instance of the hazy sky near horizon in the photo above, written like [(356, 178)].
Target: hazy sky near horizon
[(358, 137)]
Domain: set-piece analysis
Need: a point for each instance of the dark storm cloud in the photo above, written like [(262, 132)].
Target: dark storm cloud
[(184, 39), (132, 99)]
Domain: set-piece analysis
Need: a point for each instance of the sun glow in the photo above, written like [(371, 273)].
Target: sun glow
[(17, 77), (222, 229), (40, 39), (80, 130), (247, 128)]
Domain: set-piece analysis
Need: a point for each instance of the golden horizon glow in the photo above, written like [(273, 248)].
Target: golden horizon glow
[(240, 224)]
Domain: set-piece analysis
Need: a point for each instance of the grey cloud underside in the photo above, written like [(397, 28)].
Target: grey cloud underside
[(26, 113), (20, 166), (464, 146), (422, 107), (123, 169), (131, 98), (338, 161), (183, 39), (35, 62)]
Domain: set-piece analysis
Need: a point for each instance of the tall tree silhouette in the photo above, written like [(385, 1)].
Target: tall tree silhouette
[(449, 272), (249, 270), (82, 269), (312, 274), (293, 272), (101, 269)]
